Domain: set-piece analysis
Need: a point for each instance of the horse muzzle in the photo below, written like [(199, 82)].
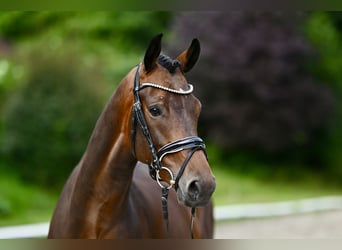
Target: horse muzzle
[(194, 180), (196, 192)]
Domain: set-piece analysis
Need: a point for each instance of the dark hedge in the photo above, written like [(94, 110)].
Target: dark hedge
[(252, 79)]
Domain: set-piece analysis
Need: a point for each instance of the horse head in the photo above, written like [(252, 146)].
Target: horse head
[(168, 113)]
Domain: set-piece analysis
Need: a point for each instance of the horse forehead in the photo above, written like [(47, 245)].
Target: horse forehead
[(163, 77), (176, 80)]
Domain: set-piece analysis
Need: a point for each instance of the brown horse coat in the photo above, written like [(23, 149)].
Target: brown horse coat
[(110, 193)]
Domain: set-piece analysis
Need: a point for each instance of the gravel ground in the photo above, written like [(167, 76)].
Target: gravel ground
[(322, 225)]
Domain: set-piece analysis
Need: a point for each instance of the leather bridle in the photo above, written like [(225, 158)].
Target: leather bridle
[(192, 143)]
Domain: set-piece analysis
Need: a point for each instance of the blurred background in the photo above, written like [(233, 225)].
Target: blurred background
[(270, 84)]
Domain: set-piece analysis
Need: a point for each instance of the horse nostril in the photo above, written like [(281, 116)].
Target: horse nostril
[(194, 190)]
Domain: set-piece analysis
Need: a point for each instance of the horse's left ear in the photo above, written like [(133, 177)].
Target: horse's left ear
[(152, 53), (190, 56)]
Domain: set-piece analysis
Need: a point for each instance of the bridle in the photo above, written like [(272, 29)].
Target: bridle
[(192, 143)]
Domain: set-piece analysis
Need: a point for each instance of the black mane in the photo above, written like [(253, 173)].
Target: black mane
[(170, 64)]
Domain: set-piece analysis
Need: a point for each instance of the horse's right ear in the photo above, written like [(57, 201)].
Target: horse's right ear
[(152, 53), (190, 56)]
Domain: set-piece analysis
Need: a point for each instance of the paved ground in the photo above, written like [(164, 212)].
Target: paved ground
[(322, 225), (319, 225)]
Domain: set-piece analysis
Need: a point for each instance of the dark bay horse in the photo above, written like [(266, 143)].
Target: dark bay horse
[(148, 128)]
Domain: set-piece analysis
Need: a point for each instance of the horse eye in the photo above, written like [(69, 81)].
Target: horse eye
[(155, 111)]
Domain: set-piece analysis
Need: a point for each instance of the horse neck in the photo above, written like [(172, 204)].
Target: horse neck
[(107, 164)]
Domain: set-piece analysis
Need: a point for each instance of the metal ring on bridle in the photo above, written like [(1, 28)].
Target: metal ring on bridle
[(172, 181)]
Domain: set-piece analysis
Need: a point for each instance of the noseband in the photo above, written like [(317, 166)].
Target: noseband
[(192, 143)]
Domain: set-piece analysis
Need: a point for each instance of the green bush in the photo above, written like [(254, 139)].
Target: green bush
[(49, 119), (51, 109), (129, 29), (325, 33)]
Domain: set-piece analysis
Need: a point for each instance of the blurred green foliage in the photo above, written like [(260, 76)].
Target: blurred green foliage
[(324, 30), (130, 30), (22, 203), (58, 70), (49, 119)]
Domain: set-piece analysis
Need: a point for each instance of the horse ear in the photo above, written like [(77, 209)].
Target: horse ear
[(190, 56), (152, 53)]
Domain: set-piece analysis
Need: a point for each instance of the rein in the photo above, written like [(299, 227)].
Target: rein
[(192, 143)]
